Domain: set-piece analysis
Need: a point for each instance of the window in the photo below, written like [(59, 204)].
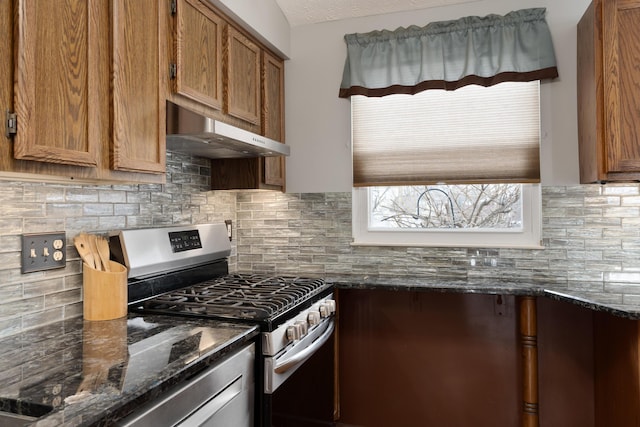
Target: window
[(476, 139), (377, 220)]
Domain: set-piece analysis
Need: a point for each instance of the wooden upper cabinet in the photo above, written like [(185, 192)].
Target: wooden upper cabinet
[(56, 94), (89, 92), (139, 85), (242, 77), (198, 42), (609, 91), (265, 173), (273, 116), (224, 73)]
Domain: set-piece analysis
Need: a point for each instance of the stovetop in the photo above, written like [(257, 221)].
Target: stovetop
[(184, 270), (241, 297)]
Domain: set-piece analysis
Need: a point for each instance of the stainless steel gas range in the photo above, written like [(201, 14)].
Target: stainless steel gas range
[(183, 271)]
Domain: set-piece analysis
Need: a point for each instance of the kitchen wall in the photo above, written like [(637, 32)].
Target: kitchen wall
[(263, 19)]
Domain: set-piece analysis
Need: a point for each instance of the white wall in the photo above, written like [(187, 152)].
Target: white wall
[(263, 18), (318, 122)]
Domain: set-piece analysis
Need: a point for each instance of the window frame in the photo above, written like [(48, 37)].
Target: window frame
[(529, 237)]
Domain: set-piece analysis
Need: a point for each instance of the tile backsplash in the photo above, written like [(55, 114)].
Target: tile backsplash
[(591, 237), (34, 299)]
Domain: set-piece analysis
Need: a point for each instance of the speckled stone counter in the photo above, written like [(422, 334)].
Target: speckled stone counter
[(92, 373), (401, 283), (569, 292), (609, 303)]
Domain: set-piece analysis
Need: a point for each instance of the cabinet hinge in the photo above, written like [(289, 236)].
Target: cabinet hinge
[(174, 7), (11, 124), (173, 71)]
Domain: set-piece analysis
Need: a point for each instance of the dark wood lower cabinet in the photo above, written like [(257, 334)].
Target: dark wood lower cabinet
[(617, 375), (428, 359), (441, 359), (565, 364)]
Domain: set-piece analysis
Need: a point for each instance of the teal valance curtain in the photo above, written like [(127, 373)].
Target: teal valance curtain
[(450, 54)]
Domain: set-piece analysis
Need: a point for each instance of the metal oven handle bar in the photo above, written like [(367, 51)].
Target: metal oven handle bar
[(284, 365)]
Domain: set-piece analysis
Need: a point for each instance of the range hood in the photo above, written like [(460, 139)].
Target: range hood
[(195, 134)]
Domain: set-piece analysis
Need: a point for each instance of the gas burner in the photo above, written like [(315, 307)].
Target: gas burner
[(240, 296)]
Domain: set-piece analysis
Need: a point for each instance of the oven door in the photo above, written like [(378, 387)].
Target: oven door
[(279, 368)]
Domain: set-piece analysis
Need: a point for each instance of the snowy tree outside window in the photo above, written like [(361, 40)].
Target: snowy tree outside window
[(473, 206)]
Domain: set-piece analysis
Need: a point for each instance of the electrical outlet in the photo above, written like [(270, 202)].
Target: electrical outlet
[(43, 251)]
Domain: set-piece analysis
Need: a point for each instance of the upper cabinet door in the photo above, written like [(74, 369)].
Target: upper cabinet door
[(621, 53), (242, 77), (6, 78), (55, 93), (608, 80), (139, 84), (273, 97), (199, 53), (273, 116)]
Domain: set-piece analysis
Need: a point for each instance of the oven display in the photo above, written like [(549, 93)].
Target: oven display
[(185, 240)]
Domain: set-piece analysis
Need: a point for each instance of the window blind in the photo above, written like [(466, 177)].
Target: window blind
[(471, 135)]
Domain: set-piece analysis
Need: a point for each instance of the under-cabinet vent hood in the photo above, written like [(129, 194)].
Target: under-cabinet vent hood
[(193, 133)]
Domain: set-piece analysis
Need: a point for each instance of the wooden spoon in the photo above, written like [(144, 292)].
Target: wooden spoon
[(94, 250), (81, 242), (103, 252)]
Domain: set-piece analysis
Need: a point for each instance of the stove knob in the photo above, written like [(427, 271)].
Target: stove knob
[(325, 310), (293, 333), (302, 327), (332, 305), (313, 318)]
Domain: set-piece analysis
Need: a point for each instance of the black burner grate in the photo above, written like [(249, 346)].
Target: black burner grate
[(240, 296)]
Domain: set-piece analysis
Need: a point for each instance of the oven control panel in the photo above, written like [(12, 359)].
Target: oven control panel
[(299, 326), (185, 240)]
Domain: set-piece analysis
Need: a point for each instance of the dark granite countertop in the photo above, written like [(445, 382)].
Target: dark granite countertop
[(597, 301), (437, 284), (563, 291), (92, 373)]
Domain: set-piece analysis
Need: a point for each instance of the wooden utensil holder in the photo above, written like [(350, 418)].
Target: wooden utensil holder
[(105, 292)]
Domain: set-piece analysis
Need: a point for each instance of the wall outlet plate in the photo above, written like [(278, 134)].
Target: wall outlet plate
[(43, 251)]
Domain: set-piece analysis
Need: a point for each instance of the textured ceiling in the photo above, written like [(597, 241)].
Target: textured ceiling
[(302, 12)]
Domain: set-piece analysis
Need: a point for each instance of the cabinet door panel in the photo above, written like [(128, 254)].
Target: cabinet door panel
[(54, 88), (6, 78), (242, 77), (139, 82), (273, 115), (199, 53), (621, 48)]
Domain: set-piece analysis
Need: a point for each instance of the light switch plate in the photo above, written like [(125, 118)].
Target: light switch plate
[(228, 223), (43, 251)]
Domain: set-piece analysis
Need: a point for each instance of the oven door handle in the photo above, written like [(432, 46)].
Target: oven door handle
[(284, 365)]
